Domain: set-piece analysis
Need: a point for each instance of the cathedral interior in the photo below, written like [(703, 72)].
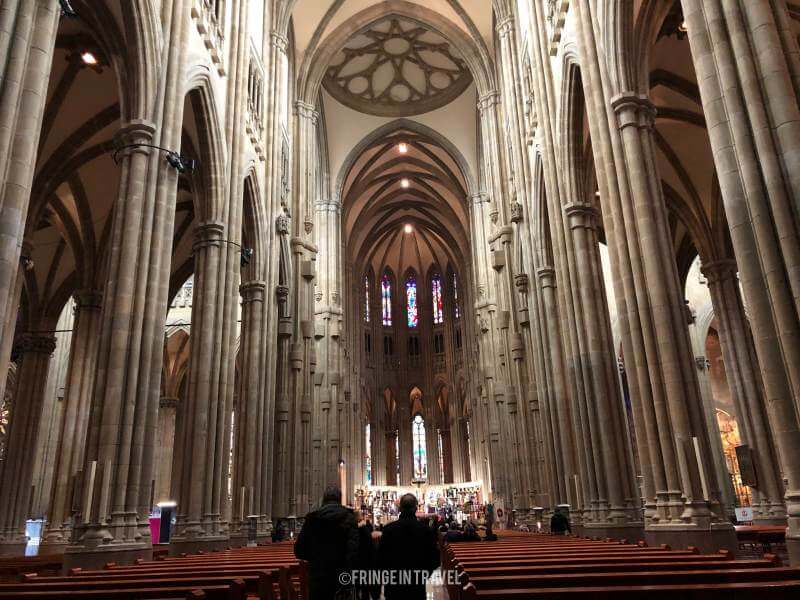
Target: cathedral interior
[(532, 253)]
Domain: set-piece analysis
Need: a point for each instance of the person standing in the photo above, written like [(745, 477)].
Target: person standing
[(559, 523), (329, 541), (408, 548)]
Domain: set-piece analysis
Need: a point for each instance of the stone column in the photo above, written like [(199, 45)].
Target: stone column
[(115, 489), (27, 38), (758, 178), (560, 409), (609, 462), (744, 379), (199, 523), (17, 468), (252, 449), (75, 419), (167, 423)]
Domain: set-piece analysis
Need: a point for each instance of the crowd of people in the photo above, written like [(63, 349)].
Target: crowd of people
[(339, 542)]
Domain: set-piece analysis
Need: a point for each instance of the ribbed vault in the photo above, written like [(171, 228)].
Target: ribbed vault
[(405, 210)]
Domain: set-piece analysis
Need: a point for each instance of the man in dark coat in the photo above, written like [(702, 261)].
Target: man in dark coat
[(559, 524), (329, 542), (408, 547)]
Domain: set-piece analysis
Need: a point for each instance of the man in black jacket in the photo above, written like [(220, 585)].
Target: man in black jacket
[(559, 523), (329, 542), (408, 547)]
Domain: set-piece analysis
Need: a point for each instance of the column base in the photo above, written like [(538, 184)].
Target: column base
[(13, 547), (52, 548), (769, 521), (96, 558), (713, 540), (793, 549), (195, 545), (633, 533)]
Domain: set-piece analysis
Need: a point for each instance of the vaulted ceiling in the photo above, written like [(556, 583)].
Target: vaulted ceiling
[(406, 210)]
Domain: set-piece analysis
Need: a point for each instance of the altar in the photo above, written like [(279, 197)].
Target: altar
[(460, 501)]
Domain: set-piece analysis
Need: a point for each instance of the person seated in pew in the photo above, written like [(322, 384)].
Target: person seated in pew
[(470, 534), (454, 534), (329, 541), (559, 523)]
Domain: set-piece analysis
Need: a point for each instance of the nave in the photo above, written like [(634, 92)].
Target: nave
[(512, 257)]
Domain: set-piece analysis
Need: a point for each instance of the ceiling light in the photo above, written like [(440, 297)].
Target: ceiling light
[(404, 182), (408, 228), (88, 58), (402, 147)]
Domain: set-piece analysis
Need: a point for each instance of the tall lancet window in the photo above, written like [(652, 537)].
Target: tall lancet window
[(366, 298), (386, 300), (436, 292), (411, 301), (420, 455), (368, 457), (455, 295)]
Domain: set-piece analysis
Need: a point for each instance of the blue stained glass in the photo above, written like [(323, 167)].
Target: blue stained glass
[(420, 455), (386, 300), (438, 305), (411, 302)]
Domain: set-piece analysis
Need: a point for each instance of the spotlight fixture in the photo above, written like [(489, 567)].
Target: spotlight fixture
[(408, 228), (67, 10), (180, 163), (89, 58), (247, 254), (404, 183), (402, 147)]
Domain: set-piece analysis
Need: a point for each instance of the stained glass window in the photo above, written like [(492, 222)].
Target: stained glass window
[(386, 300), (411, 301), (368, 459), (366, 299), (420, 456), (436, 292), (455, 295)]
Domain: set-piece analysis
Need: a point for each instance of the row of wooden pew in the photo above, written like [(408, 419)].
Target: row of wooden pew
[(266, 572), (556, 567)]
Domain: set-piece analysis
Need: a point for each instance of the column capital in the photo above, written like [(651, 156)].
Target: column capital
[(505, 25), (88, 299), (634, 110), (168, 402), (581, 215), (306, 111), (717, 271), (521, 280), (135, 132), (208, 233), (36, 343), (547, 277), (253, 291), (488, 100), (279, 41)]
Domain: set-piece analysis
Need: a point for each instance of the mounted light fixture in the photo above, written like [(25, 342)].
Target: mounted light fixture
[(89, 58), (27, 262), (67, 10), (408, 228), (180, 163), (402, 147), (404, 183), (247, 254)]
